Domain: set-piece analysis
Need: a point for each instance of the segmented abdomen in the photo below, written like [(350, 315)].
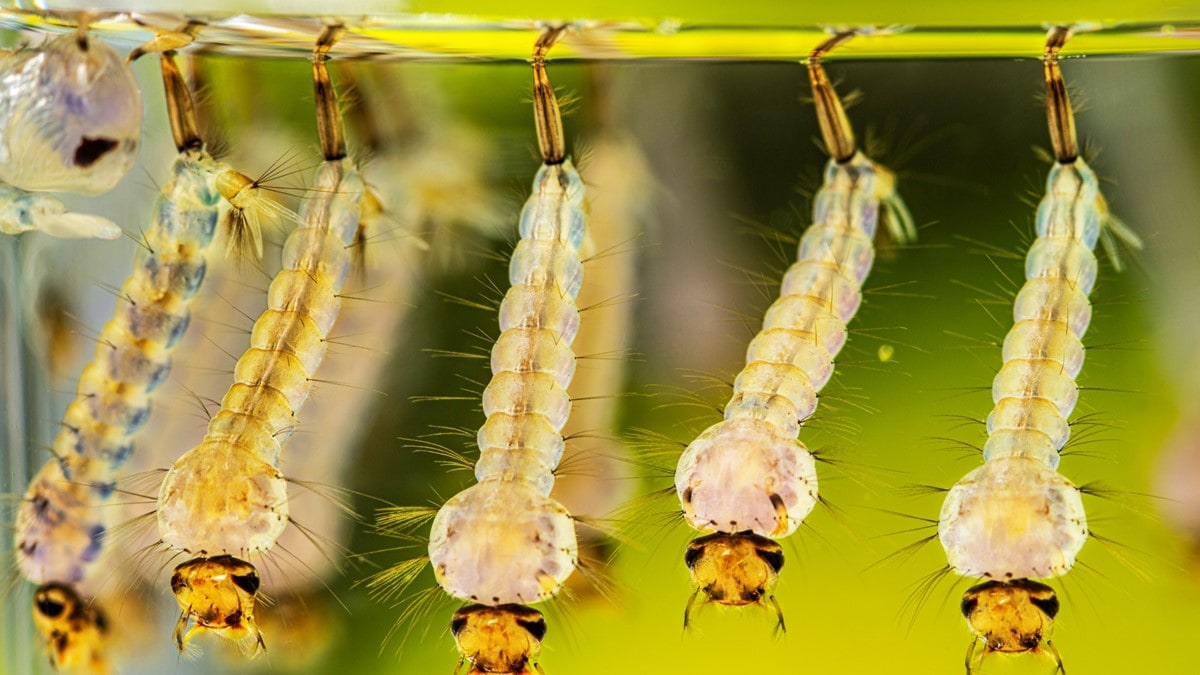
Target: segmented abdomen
[(1035, 390), (504, 540), (60, 521)]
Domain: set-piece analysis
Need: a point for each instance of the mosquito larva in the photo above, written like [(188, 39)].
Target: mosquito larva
[(748, 480), (225, 500), (503, 543), (70, 121), (1016, 519), (63, 518)]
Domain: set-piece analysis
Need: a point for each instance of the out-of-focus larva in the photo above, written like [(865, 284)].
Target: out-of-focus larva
[(70, 121)]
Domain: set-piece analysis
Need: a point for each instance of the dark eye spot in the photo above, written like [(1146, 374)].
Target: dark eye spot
[(773, 558), (969, 603), (1048, 605), (752, 595), (48, 606), (92, 149), (457, 624), (693, 555), (536, 627), (177, 583), (247, 582), (687, 495)]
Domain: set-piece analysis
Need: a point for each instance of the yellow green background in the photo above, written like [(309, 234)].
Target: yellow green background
[(738, 138)]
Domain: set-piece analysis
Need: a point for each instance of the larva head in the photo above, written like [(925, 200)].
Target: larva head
[(734, 569), (1010, 617), (217, 594), (504, 639), (72, 114), (75, 630)]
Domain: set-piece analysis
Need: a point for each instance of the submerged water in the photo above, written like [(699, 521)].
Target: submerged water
[(729, 143)]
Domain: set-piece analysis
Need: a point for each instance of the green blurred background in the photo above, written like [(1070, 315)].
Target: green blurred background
[(730, 144)]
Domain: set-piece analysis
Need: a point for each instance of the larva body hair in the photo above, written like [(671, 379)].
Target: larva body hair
[(504, 540)]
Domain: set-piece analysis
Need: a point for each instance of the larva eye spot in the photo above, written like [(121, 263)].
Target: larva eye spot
[(693, 554), (1047, 603), (968, 606), (90, 150), (734, 569), (536, 628), (773, 556), (501, 639), (52, 601), (247, 582), (74, 630)]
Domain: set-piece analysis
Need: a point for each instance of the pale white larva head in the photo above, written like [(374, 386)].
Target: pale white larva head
[(1012, 518), (70, 116)]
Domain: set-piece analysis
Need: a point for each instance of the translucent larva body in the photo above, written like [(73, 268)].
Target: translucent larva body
[(70, 116), (1015, 517), (226, 499), (504, 540), (748, 479)]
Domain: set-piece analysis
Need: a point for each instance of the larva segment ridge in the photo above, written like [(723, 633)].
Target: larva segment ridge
[(226, 498), (748, 479)]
